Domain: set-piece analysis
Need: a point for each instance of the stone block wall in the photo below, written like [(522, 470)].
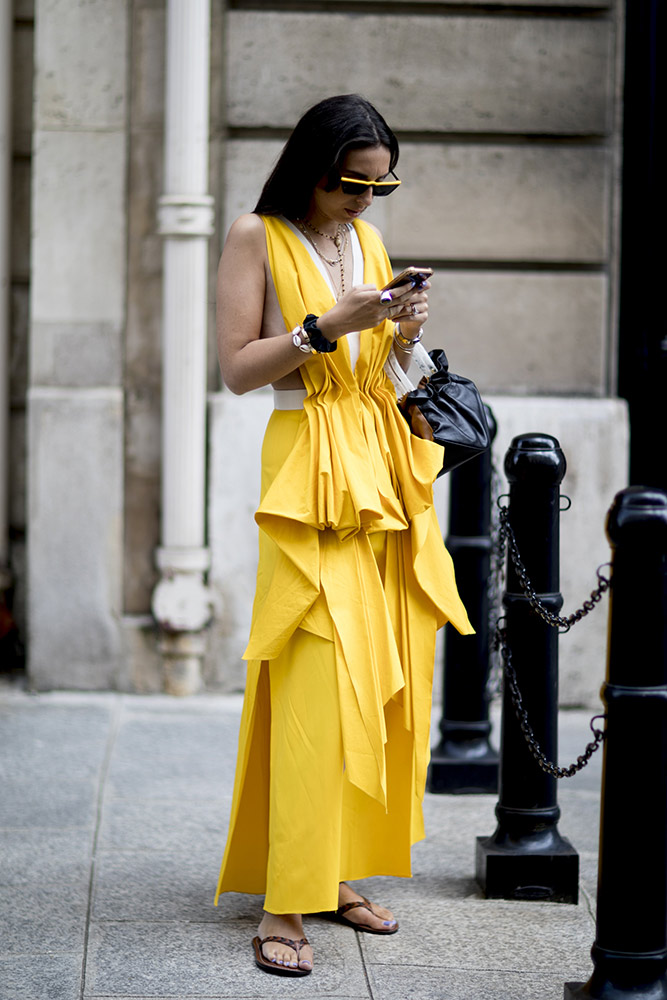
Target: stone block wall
[(77, 321), (593, 434), (508, 118), (509, 159), (22, 90), (508, 123)]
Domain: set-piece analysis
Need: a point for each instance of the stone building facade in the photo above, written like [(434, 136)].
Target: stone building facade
[(509, 117)]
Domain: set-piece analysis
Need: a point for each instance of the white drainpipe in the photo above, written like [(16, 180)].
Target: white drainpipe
[(6, 28), (182, 602)]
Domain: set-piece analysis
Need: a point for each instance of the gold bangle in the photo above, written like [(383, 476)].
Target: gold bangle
[(403, 341), (406, 350)]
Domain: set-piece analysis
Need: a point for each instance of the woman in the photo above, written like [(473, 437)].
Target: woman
[(353, 578)]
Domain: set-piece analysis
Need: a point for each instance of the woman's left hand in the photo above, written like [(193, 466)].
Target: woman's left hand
[(409, 307)]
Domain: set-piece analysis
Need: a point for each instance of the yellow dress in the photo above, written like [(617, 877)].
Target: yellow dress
[(353, 582)]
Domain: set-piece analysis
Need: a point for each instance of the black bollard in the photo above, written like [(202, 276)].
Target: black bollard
[(464, 760), (630, 949), (526, 857)]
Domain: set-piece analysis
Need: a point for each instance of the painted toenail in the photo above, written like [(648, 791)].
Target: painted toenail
[(389, 923)]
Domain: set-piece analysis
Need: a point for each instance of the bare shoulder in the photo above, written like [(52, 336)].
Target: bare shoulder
[(246, 231), (243, 262)]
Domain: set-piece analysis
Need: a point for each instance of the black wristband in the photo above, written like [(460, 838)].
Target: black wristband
[(316, 338)]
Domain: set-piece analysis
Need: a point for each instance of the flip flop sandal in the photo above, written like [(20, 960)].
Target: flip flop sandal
[(265, 965), (363, 903)]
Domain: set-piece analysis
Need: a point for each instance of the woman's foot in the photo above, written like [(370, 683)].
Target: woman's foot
[(285, 925), (371, 916)]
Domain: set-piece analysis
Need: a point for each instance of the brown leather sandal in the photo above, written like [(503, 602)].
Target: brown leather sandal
[(266, 965), (340, 918)]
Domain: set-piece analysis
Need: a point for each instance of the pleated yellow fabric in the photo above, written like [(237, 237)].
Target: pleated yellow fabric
[(353, 582)]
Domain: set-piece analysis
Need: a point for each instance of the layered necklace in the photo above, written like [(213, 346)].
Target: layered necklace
[(339, 241)]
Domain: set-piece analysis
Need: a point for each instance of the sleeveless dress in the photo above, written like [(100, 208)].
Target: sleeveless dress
[(352, 584)]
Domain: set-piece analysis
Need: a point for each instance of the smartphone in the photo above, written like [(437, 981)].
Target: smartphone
[(417, 275)]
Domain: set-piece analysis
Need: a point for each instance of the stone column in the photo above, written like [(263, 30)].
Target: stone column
[(181, 601), (77, 318)]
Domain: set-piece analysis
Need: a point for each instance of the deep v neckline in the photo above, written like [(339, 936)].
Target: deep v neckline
[(353, 346), (357, 256)]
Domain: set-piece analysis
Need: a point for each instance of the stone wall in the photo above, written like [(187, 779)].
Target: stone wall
[(77, 322), (508, 120), (593, 434), (22, 73), (509, 158)]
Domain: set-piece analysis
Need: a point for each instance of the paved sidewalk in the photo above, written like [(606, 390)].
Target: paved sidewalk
[(112, 821)]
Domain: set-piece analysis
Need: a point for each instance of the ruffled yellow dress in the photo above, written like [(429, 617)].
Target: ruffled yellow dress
[(353, 582)]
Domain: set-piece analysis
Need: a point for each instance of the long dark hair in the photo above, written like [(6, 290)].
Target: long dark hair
[(316, 149)]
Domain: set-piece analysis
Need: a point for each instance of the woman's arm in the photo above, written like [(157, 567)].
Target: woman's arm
[(253, 347)]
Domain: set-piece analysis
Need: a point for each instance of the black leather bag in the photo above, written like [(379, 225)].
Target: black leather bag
[(448, 408)]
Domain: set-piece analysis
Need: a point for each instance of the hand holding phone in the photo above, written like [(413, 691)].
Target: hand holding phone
[(416, 275)]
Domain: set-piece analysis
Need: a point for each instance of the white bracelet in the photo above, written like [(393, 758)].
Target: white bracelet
[(301, 340)]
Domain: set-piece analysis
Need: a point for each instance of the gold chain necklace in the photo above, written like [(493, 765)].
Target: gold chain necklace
[(340, 241), (337, 240)]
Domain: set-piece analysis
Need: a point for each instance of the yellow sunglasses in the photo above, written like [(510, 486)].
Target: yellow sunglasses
[(353, 185)]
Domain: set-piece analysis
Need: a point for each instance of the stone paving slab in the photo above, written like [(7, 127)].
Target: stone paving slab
[(132, 886), (50, 977), (171, 757), (52, 740), (129, 796), (418, 983), (203, 960), (163, 824), (39, 920), (47, 803), (488, 934), (37, 857)]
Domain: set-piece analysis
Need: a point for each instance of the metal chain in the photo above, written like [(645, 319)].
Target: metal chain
[(495, 588), (506, 538), (528, 731)]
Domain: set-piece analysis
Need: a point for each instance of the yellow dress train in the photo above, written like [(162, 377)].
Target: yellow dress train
[(353, 582)]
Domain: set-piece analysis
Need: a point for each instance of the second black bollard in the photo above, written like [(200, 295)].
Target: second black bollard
[(526, 857), (630, 950), (464, 760)]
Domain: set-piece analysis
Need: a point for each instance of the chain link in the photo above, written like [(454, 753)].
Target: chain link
[(522, 715), (507, 539), (495, 586)]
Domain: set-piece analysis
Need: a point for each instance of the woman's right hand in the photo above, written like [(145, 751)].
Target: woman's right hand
[(361, 309)]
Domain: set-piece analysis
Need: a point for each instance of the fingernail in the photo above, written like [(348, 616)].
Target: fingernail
[(386, 297)]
